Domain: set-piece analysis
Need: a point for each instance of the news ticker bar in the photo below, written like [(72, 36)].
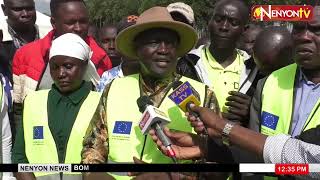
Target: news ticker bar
[(280, 169), (119, 168)]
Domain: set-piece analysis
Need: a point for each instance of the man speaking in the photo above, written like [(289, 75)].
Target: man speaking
[(156, 40)]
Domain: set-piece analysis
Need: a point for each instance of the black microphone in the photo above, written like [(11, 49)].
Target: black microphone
[(154, 118)]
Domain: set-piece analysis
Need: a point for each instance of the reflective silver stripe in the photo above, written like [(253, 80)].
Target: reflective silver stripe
[(118, 173), (77, 176)]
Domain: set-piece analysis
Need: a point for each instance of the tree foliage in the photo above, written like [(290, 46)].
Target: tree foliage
[(112, 11), (276, 2)]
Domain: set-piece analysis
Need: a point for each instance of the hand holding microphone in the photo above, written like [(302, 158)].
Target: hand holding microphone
[(154, 118), (209, 120), (186, 145), (184, 95)]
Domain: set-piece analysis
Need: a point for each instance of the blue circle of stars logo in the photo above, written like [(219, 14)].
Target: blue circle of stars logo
[(122, 127), (269, 120)]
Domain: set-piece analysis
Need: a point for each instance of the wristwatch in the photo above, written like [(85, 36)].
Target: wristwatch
[(226, 133)]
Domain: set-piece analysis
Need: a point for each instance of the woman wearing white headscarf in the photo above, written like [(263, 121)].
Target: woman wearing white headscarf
[(55, 121)]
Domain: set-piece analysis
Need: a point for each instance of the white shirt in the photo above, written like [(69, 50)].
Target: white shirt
[(108, 76), (285, 149)]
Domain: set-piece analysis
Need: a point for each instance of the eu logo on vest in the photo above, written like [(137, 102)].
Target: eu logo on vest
[(269, 120), (37, 132), (122, 127)]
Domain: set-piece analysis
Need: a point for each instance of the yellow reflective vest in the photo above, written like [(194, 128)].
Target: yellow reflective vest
[(277, 104), (125, 137), (40, 147)]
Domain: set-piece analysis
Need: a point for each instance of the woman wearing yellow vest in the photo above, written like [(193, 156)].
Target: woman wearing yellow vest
[(55, 120)]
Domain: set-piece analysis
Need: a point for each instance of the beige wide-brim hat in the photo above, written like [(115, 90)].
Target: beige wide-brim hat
[(156, 17)]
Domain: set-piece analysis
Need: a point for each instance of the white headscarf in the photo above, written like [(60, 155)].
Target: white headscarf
[(71, 45)]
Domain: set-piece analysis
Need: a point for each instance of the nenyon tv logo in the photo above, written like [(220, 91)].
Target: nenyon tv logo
[(282, 12)]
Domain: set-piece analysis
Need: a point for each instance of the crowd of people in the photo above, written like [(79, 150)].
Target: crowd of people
[(70, 95)]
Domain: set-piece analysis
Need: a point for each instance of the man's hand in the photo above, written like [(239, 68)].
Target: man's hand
[(239, 107), (212, 121), (185, 145)]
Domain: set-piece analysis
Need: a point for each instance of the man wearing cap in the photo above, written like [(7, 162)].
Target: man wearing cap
[(156, 41), (229, 71), (181, 12), (55, 120)]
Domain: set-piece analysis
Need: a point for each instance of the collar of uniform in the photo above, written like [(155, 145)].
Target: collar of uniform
[(231, 68), (303, 79), (159, 84), (75, 97), (244, 54)]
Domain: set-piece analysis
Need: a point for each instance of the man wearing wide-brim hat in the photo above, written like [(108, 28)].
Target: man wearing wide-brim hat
[(156, 41)]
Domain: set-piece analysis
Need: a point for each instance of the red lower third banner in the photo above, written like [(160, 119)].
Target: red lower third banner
[(279, 169), (292, 169)]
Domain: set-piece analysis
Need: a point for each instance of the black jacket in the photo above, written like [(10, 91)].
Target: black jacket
[(7, 51)]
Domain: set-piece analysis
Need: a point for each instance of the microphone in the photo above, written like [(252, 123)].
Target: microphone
[(154, 118), (184, 95)]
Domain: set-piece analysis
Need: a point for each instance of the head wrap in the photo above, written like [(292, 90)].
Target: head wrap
[(71, 45)]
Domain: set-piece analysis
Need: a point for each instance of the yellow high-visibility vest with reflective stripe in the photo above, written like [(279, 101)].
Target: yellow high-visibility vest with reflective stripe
[(123, 116), (40, 147), (277, 104)]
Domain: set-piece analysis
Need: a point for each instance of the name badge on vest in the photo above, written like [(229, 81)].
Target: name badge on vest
[(38, 135), (269, 120), (122, 130)]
